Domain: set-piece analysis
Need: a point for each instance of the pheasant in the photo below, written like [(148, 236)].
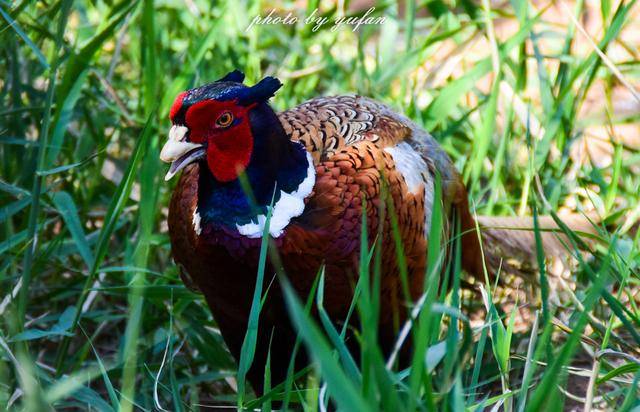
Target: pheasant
[(318, 167)]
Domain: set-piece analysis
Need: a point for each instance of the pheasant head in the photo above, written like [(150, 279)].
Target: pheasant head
[(213, 122), (229, 129)]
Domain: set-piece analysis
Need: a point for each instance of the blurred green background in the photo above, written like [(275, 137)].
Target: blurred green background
[(94, 315)]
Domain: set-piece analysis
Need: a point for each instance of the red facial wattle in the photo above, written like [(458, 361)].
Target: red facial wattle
[(229, 154), (228, 149)]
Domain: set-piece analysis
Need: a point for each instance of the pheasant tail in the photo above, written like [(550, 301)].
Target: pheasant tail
[(509, 242)]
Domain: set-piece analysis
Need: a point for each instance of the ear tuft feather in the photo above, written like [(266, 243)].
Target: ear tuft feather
[(235, 76), (261, 91)]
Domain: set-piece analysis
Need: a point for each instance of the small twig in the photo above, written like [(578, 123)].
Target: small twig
[(576, 397), (323, 391), (572, 370), (302, 72), (612, 352), (94, 293), (10, 297), (118, 49), (116, 99), (156, 381), (591, 388), (557, 323)]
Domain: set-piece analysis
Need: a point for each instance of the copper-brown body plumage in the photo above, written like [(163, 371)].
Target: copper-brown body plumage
[(349, 140)]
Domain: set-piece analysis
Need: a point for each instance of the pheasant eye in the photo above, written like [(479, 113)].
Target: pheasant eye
[(225, 119)]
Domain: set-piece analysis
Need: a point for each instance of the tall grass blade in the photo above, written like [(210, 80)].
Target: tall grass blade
[(16, 27), (340, 387), (32, 226), (118, 201), (69, 212), (247, 351)]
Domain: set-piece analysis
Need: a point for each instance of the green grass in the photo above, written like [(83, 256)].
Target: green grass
[(93, 314)]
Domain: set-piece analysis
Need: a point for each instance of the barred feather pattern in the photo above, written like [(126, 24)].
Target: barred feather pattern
[(329, 124)]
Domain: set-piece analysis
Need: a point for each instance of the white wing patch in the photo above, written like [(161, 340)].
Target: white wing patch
[(196, 221), (415, 171), (289, 205)]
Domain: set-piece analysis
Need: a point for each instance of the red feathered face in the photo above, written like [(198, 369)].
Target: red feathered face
[(222, 128)]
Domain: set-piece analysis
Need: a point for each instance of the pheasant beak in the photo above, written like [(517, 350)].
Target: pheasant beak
[(179, 152)]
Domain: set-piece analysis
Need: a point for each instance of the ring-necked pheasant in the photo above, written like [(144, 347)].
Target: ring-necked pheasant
[(322, 159)]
